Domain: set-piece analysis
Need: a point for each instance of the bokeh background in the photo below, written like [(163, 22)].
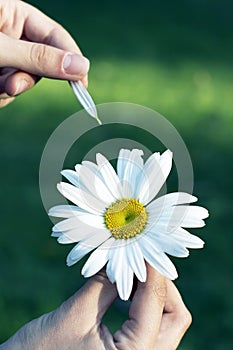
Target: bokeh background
[(172, 56)]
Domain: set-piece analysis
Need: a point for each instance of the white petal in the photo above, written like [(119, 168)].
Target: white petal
[(157, 259), (164, 207), (129, 167), (65, 211), (66, 225), (97, 259), (90, 165), (171, 199), (195, 212), (170, 218), (187, 239), (77, 253), (124, 281), (71, 176), (192, 216), (115, 253), (155, 175), (143, 187), (74, 236), (109, 175), (85, 246), (169, 245), (81, 198), (56, 234), (94, 184), (66, 240), (136, 260), (78, 234), (155, 156), (118, 269), (122, 160), (75, 222)]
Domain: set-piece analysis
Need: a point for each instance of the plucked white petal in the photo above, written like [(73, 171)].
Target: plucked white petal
[(65, 211), (71, 176), (154, 176), (85, 246), (109, 176), (136, 260), (169, 245), (97, 259), (81, 198), (157, 258)]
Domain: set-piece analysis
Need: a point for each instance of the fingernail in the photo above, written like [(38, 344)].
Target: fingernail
[(75, 64), (21, 86)]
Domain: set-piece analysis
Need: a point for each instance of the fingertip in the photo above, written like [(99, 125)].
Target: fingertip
[(75, 64), (153, 276), (19, 82), (85, 81), (6, 101), (21, 86)]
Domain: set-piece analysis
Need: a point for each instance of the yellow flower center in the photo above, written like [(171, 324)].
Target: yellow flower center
[(125, 218)]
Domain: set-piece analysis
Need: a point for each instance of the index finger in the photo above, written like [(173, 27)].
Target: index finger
[(42, 29), (145, 314)]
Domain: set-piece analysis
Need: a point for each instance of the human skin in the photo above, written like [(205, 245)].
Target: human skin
[(32, 46), (158, 319)]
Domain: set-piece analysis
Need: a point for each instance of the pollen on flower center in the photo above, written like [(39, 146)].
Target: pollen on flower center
[(125, 218)]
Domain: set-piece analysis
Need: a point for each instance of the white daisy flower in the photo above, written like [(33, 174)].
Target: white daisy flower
[(116, 215)]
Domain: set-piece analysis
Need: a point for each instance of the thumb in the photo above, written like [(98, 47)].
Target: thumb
[(41, 60), (145, 314)]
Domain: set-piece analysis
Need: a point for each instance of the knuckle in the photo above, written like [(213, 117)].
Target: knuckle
[(160, 292), (188, 318), (40, 55), (185, 319)]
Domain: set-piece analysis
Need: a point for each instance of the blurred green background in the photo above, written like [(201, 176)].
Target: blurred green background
[(172, 56)]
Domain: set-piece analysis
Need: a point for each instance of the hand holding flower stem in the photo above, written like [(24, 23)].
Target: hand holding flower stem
[(157, 320)]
